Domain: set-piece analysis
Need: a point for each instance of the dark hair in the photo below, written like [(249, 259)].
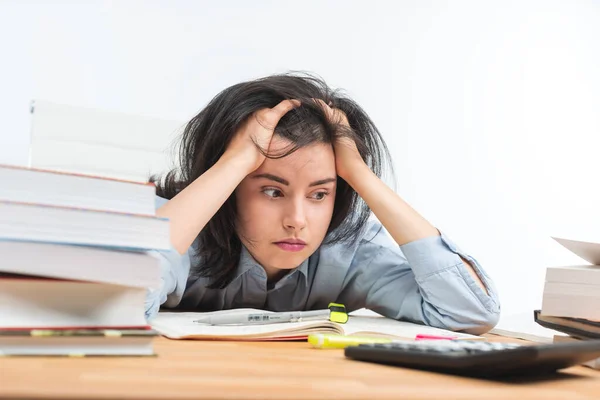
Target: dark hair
[(207, 135)]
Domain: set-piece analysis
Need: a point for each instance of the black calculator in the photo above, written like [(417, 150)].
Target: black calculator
[(478, 358)]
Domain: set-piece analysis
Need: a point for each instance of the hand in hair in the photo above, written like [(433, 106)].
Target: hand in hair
[(347, 156), (257, 130)]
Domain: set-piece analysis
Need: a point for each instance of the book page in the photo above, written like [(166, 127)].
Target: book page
[(381, 326), (182, 326), (587, 250)]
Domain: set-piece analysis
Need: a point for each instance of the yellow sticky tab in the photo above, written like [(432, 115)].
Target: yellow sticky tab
[(337, 313)]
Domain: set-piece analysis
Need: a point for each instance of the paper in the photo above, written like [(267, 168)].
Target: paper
[(589, 251), (177, 325), (391, 327), (523, 326)]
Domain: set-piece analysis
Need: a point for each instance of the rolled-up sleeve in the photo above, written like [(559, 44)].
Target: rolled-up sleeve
[(424, 281), (174, 271)]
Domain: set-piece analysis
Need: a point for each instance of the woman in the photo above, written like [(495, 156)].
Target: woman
[(270, 209)]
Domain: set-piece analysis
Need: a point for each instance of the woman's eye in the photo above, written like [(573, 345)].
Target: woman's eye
[(319, 195), (274, 193)]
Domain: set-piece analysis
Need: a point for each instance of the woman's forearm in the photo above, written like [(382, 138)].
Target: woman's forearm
[(191, 209), (398, 217)]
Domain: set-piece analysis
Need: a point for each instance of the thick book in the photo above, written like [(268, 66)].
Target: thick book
[(54, 188), (575, 300), (574, 291), (94, 264), (574, 274), (77, 342), (182, 325), (35, 303), (38, 223), (578, 327)]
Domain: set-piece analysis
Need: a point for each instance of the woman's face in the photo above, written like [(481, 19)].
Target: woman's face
[(285, 206)]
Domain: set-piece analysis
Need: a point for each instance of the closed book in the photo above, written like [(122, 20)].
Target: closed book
[(576, 300), (584, 274), (33, 303), (34, 222), (579, 327), (63, 189), (94, 264), (77, 342)]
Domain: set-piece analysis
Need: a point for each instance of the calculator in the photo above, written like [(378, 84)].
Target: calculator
[(477, 358)]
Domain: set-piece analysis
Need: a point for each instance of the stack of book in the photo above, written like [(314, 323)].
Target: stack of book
[(74, 263), (571, 298)]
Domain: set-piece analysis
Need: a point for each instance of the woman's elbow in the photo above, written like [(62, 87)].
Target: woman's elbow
[(476, 321), (481, 323)]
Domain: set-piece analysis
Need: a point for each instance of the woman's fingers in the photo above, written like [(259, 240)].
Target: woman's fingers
[(335, 115), (268, 118), (282, 108)]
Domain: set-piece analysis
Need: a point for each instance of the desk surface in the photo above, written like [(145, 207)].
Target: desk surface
[(252, 370)]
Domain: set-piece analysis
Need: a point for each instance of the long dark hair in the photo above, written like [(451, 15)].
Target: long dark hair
[(207, 135)]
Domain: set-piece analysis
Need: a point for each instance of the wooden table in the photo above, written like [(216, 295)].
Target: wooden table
[(252, 370)]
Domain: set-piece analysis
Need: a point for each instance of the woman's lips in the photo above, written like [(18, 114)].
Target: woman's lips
[(287, 246)]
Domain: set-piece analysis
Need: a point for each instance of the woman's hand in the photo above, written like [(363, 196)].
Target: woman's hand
[(347, 157), (257, 129)]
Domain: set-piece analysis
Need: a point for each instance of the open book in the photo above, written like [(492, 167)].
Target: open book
[(182, 326)]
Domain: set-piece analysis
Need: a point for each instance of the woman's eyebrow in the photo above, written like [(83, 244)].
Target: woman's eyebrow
[(272, 178), (286, 183), (322, 181)]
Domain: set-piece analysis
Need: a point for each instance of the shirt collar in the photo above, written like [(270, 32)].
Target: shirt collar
[(247, 262)]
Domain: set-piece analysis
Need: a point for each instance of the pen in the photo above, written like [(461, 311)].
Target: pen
[(326, 341), (261, 318)]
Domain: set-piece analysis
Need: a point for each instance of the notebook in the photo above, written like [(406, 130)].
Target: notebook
[(182, 326)]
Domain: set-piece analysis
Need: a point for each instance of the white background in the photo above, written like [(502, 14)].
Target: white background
[(490, 109)]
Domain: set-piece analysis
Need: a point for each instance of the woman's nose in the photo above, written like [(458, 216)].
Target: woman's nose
[(295, 216)]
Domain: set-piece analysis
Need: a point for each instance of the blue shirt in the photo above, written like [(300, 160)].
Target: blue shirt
[(424, 281)]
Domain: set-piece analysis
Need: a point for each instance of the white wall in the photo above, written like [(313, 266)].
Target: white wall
[(490, 108)]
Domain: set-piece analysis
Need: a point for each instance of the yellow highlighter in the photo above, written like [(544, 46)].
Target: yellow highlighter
[(325, 341)]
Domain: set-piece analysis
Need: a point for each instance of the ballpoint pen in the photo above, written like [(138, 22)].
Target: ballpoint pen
[(259, 318)]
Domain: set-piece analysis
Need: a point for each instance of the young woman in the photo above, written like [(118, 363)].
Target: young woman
[(270, 209)]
